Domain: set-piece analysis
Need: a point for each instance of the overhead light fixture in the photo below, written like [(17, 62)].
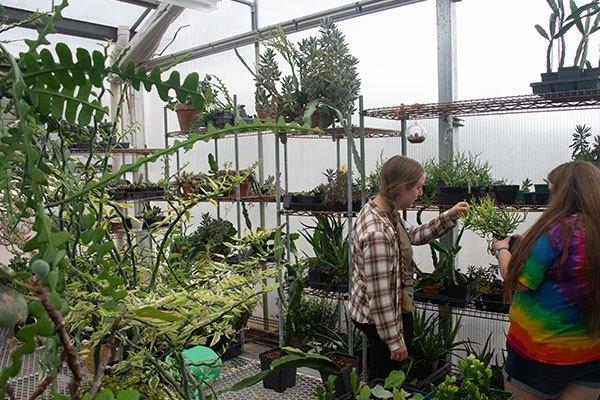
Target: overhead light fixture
[(198, 5)]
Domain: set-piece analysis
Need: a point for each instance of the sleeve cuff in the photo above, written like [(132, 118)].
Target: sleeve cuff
[(447, 221), (396, 344)]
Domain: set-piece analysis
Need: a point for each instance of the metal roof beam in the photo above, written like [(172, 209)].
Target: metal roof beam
[(143, 3), (348, 11), (66, 26)]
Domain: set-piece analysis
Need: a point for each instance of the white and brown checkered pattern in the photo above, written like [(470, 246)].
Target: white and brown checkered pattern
[(374, 298)]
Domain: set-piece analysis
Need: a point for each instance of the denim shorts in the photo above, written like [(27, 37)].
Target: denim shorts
[(546, 380)]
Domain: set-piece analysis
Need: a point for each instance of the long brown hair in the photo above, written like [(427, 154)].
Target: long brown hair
[(398, 175), (574, 189)]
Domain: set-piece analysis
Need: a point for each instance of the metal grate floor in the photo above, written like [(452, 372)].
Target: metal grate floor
[(240, 368), (27, 381)]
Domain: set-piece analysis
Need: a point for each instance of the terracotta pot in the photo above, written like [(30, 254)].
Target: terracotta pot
[(245, 189), (187, 189), (321, 120), (185, 115)]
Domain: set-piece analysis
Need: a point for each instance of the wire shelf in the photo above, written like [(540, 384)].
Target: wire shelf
[(582, 99), (143, 152)]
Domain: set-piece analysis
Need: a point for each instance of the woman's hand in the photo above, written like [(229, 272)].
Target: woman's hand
[(497, 244), (458, 210), (399, 354)]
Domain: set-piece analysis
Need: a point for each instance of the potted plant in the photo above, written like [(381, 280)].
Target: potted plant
[(188, 183), (505, 194), (336, 191), (328, 269), (186, 111), (322, 68), (431, 346), (489, 289), (473, 383), (461, 178), (390, 388), (486, 219), (585, 147), (151, 216), (525, 195), (580, 76)]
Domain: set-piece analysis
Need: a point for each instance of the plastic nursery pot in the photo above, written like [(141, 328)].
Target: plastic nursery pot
[(281, 380), (492, 302), (506, 194), (452, 194), (461, 292), (185, 114), (345, 363)]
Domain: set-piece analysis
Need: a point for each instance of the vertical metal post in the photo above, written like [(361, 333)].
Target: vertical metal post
[(361, 132), (338, 162), (216, 142), (447, 91), (261, 164), (286, 182), (238, 201), (404, 151), (348, 129), (166, 130), (278, 210), (447, 81)]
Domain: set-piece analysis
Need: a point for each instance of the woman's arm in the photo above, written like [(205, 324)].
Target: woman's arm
[(437, 227)]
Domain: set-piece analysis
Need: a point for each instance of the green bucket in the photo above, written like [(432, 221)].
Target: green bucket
[(202, 362)]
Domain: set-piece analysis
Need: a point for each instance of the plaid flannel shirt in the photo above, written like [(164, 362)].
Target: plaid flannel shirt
[(374, 297)]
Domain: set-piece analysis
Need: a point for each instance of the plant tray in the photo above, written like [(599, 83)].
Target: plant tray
[(491, 303), (425, 385), (442, 298), (494, 395)]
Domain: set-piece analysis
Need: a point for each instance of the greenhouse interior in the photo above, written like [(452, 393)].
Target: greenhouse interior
[(318, 199)]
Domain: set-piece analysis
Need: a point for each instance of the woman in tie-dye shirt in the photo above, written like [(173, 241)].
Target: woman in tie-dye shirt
[(553, 343)]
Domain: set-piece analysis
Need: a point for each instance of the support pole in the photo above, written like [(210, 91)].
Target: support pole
[(348, 129), (361, 131), (238, 201)]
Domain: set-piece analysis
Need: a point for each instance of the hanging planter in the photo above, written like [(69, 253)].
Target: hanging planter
[(416, 133)]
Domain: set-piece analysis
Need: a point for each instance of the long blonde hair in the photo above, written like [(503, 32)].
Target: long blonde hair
[(398, 175)]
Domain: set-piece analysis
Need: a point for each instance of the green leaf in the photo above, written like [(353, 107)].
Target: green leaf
[(394, 380), (542, 32), (129, 394), (381, 393), (152, 312), (564, 29), (553, 6), (105, 394)]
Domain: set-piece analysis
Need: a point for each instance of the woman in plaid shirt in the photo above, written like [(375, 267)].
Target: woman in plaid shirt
[(381, 302)]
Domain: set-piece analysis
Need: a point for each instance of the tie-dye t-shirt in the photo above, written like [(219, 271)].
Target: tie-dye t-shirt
[(547, 323)]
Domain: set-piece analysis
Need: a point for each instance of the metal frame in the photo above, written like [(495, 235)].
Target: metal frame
[(67, 26), (348, 11)]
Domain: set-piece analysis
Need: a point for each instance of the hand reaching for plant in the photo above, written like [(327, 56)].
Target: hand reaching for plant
[(458, 210), (399, 354), (499, 243)]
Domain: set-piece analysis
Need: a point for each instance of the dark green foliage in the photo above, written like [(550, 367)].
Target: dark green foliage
[(330, 245), (209, 238), (585, 147)]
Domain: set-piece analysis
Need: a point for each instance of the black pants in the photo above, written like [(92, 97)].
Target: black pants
[(380, 364)]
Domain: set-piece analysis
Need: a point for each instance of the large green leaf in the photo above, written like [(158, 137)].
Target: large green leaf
[(152, 312)]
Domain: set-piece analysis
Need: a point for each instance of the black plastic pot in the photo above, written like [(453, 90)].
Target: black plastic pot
[(506, 194), (492, 302), (278, 381), (568, 79), (321, 281), (300, 202), (422, 380), (343, 386), (228, 348), (462, 292), (452, 194)]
